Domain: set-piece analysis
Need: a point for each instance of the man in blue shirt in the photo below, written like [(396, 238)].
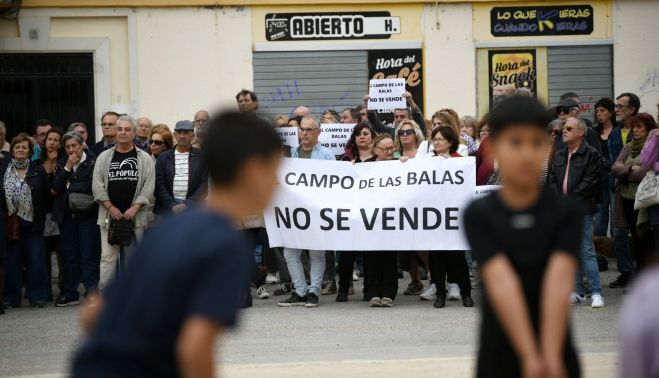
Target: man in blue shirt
[(306, 295), (161, 316)]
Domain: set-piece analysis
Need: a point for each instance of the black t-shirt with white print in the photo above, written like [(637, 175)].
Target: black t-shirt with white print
[(122, 179)]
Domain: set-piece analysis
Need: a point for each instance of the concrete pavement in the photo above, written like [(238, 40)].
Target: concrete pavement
[(410, 339)]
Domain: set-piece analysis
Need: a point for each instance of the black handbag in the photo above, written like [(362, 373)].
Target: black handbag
[(121, 232), (81, 203)]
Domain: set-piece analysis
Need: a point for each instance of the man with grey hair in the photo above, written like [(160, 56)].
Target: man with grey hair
[(575, 172), (201, 117), (4, 146), (109, 129), (81, 129), (124, 184), (302, 111), (143, 132), (306, 295)]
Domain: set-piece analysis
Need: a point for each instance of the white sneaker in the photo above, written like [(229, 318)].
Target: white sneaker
[(453, 292), (355, 277), (271, 279), (430, 294), (598, 301), (576, 299), (262, 293)]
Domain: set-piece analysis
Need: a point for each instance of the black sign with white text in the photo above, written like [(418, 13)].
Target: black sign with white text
[(541, 20), (325, 26)]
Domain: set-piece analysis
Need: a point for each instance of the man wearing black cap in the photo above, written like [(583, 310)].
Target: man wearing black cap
[(181, 178)]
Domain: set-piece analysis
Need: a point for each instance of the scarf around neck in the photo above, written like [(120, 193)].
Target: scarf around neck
[(17, 192), (636, 147)]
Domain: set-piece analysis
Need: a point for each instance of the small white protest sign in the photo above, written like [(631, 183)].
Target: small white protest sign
[(386, 94)]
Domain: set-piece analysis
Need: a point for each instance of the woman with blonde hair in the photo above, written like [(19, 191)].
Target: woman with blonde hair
[(408, 138), (280, 121)]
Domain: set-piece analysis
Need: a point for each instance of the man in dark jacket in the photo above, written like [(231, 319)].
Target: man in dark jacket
[(181, 177), (109, 128), (575, 172)]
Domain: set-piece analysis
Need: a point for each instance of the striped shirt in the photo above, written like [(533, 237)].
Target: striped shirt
[(181, 169)]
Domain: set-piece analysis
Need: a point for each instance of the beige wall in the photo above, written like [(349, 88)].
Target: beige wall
[(636, 51), (450, 60), (191, 58)]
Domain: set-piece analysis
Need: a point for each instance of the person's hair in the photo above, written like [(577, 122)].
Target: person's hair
[(646, 120), (316, 124), (332, 118), (354, 113), (482, 123), (246, 92), (417, 133), (567, 95), (517, 110), (297, 119), (380, 138), (332, 112), (163, 130), (453, 114), (111, 113), (472, 123), (40, 123), (448, 119), (607, 104), (581, 124), (43, 153), (3, 127), (278, 118), (227, 157), (407, 109), (148, 119), (450, 137), (554, 122), (352, 142), (72, 135), (633, 101), (128, 119), (20, 138), (74, 125)]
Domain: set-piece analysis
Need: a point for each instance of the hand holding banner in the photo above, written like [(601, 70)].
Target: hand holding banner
[(386, 94)]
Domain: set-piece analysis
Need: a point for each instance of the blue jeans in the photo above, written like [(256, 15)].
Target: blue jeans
[(588, 267), (31, 249), (81, 254), (604, 211), (296, 269)]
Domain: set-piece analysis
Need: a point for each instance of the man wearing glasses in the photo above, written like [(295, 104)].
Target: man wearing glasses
[(306, 295), (569, 108), (109, 129)]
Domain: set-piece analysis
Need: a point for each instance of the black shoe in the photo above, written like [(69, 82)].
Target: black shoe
[(63, 302), (467, 301), (283, 289), (312, 300), (620, 282), (294, 300), (342, 296), (440, 302)]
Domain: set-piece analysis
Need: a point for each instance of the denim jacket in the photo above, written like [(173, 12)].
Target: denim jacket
[(318, 153)]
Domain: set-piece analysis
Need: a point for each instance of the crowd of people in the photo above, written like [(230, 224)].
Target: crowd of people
[(89, 203)]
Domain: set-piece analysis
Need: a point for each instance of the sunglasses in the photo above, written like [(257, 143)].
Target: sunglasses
[(554, 132), (406, 132), (568, 128), (156, 142)]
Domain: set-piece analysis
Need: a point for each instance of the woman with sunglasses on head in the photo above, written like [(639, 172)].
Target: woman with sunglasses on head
[(160, 140), (443, 264), (381, 267)]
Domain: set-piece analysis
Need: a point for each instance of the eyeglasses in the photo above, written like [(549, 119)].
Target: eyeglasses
[(620, 106), (156, 142), (406, 132), (108, 124), (554, 132), (568, 128), (566, 110), (200, 121), (438, 140), (387, 149), (303, 130)]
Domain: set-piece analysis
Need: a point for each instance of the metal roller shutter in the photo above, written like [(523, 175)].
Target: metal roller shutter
[(586, 70), (317, 79)]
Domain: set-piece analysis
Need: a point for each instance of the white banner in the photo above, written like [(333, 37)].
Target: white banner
[(328, 205), (386, 94), (334, 136)]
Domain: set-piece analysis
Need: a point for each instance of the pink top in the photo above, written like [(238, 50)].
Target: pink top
[(650, 153)]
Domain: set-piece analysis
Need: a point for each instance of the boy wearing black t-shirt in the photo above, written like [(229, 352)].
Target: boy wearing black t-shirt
[(526, 240), (161, 316)]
